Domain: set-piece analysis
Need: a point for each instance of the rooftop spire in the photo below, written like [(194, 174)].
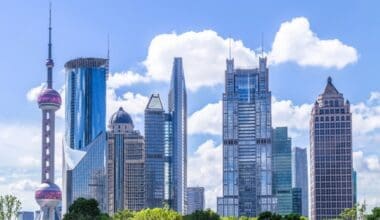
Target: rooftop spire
[(229, 48), (262, 44), (50, 62)]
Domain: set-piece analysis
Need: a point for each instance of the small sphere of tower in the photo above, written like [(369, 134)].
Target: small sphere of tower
[(49, 99), (48, 195)]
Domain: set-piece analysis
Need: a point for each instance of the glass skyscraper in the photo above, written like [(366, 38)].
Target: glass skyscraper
[(247, 142), (195, 199), (300, 176), (85, 137), (330, 155), (297, 200), (282, 170), (126, 187), (178, 112), (155, 151)]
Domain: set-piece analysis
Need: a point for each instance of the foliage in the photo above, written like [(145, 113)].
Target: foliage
[(124, 215), (157, 214), (85, 209), (9, 206), (375, 214), (202, 215)]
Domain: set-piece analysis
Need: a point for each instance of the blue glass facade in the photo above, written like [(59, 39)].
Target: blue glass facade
[(247, 142), (178, 111), (282, 170), (297, 200), (85, 130), (155, 151), (195, 199), (85, 100), (87, 178), (300, 176)]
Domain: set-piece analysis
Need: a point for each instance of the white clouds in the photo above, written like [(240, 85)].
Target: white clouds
[(207, 120), (286, 113), (24, 185), (296, 42), (34, 92), (205, 169), (117, 80), (204, 55)]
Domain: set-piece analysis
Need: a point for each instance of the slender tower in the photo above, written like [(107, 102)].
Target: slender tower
[(48, 195)]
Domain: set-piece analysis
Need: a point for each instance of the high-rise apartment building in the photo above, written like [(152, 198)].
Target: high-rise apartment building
[(126, 188), (247, 142), (282, 170), (300, 176), (85, 137), (330, 155), (178, 112), (195, 199)]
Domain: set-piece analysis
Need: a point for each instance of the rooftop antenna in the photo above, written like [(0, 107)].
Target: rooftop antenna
[(229, 47), (108, 55), (262, 44)]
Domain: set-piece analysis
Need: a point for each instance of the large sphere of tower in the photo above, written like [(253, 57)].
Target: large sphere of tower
[(48, 195), (49, 99)]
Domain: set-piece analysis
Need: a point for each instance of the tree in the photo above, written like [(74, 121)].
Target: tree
[(349, 213), (292, 216), (375, 214), (157, 214), (124, 215), (85, 209), (202, 215), (269, 216), (9, 206)]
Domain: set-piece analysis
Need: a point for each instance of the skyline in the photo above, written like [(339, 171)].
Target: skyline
[(207, 138)]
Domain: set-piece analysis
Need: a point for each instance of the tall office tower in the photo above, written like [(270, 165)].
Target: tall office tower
[(48, 195), (178, 110), (125, 165), (282, 170), (195, 199), (330, 155), (300, 176), (247, 145), (155, 151), (85, 136), (355, 185)]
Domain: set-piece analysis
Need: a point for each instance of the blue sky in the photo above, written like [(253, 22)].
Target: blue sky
[(322, 38)]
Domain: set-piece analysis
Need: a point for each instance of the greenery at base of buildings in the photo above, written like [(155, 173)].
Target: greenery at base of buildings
[(9, 207)]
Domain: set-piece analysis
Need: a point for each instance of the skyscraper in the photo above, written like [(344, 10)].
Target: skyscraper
[(85, 137), (247, 142), (178, 112), (330, 155), (125, 165), (155, 151), (300, 176), (355, 183), (282, 170), (48, 195), (297, 200), (195, 199)]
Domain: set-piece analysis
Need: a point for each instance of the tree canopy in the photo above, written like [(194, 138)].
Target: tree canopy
[(9, 207)]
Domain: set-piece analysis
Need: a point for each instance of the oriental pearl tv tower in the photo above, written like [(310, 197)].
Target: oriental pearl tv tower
[(48, 195)]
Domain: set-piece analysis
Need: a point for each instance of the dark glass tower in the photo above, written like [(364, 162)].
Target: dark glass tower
[(48, 195), (330, 155), (282, 170), (247, 142), (178, 111), (300, 176), (155, 151)]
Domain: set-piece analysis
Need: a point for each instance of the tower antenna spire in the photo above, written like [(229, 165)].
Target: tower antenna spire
[(229, 47), (50, 62), (262, 44), (108, 55)]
